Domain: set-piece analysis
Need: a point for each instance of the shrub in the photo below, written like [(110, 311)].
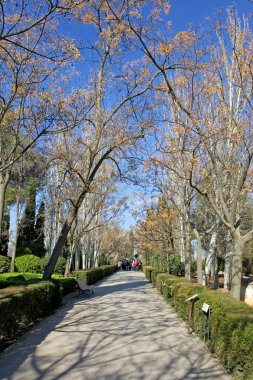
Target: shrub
[(65, 284), (60, 265), (19, 306), (231, 322), (153, 275), (91, 276), (31, 276), (12, 276), (177, 267), (147, 270), (21, 251), (35, 249), (10, 279), (28, 263), (5, 264), (38, 249)]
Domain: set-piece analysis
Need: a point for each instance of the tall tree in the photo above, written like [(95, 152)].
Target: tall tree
[(31, 53), (113, 123)]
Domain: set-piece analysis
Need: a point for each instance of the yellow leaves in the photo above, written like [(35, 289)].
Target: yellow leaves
[(14, 18), (89, 18), (180, 81), (166, 8), (165, 48), (135, 13), (144, 72), (185, 38)]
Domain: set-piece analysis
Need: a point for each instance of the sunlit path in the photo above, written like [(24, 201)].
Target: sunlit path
[(126, 331)]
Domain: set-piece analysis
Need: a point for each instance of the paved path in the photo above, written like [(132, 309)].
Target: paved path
[(125, 332)]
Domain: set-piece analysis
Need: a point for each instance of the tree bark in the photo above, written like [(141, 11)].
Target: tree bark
[(15, 240), (210, 257), (199, 256), (59, 245), (187, 251), (67, 266), (4, 180), (237, 265)]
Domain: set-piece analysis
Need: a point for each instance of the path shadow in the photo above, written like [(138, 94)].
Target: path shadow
[(111, 336)]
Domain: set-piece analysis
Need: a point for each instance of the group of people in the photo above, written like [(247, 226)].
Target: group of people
[(128, 265)]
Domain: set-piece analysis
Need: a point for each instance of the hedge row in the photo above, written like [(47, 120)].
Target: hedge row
[(65, 284), (31, 263), (91, 276), (231, 321), (22, 305)]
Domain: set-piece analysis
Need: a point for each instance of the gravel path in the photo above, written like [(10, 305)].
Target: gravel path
[(124, 332)]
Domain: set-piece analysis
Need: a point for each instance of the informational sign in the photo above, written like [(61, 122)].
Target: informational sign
[(205, 308)]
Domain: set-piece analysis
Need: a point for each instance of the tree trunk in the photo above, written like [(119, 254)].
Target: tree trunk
[(228, 259), (181, 239), (67, 266), (187, 251), (237, 265), (210, 257), (77, 257), (49, 269), (199, 256), (4, 180), (15, 240)]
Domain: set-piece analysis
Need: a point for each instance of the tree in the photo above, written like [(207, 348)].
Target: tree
[(156, 235), (31, 53), (27, 231), (112, 123), (210, 91), (115, 243), (218, 125)]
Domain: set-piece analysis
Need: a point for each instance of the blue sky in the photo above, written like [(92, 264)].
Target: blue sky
[(182, 13), (195, 11)]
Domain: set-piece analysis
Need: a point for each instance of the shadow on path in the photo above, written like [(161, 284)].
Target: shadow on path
[(125, 332)]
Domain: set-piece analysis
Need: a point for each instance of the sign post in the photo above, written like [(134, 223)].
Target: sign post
[(207, 311), (191, 300)]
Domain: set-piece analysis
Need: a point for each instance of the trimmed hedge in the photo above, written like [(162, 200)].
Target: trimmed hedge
[(28, 263), (11, 279), (60, 265), (147, 270), (12, 276), (231, 322), (35, 264), (22, 305), (66, 285), (91, 276)]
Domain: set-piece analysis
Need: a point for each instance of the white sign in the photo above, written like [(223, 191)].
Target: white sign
[(205, 308)]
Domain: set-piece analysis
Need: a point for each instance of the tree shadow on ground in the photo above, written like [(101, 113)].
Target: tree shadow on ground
[(124, 332)]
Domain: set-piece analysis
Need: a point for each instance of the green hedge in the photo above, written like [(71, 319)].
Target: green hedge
[(147, 270), (91, 276), (11, 279), (60, 265), (35, 264), (65, 284), (28, 263), (22, 305), (12, 276), (231, 322)]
